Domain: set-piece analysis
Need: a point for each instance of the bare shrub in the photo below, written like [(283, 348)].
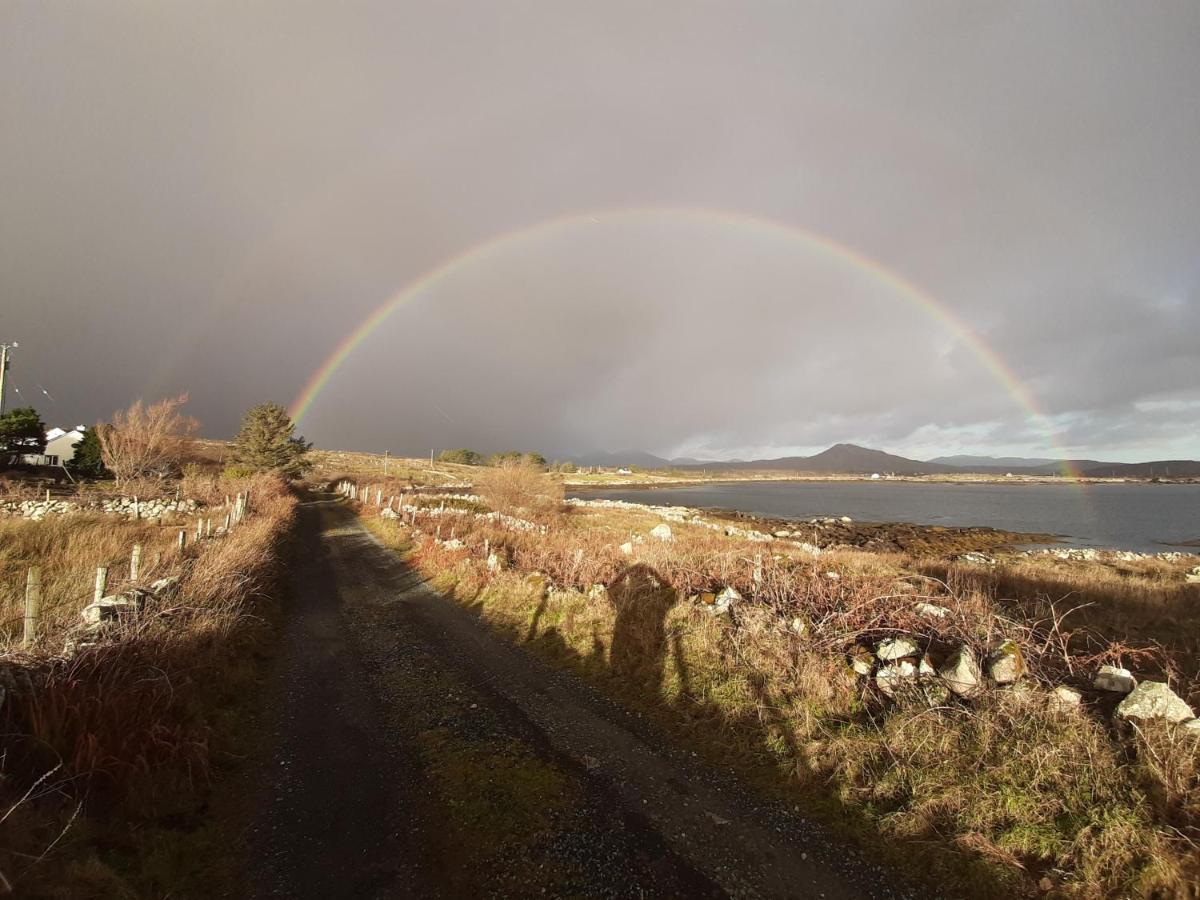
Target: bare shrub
[(515, 487), (146, 441)]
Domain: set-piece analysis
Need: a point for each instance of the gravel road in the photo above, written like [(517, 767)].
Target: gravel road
[(417, 754)]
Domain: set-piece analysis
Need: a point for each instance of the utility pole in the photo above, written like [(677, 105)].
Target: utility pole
[(4, 348)]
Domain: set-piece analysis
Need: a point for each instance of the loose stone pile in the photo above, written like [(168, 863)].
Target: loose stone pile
[(898, 666)]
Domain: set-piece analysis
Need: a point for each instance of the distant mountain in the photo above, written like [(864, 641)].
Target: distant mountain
[(1167, 468), (626, 458), (1007, 462), (851, 459), (848, 459)]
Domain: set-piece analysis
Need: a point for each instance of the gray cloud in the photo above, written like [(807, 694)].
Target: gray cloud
[(210, 198)]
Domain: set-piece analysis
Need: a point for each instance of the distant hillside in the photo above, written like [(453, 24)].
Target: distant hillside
[(611, 460), (1005, 462), (1169, 468), (851, 459), (848, 459)]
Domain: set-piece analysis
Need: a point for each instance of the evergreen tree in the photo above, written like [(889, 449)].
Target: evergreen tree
[(22, 431), (265, 442), (462, 456), (89, 455)]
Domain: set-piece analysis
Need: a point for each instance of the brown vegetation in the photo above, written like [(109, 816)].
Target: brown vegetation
[(146, 441), (121, 734), (1003, 794), (515, 487)]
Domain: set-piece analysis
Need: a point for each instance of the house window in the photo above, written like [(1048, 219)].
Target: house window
[(52, 460)]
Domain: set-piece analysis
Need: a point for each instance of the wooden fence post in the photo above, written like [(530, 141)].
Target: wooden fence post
[(758, 570), (101, 583), (136, 508), (135, 562), (227, 520), (199, 528), (33, 603)]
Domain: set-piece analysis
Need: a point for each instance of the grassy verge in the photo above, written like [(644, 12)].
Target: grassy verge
[(1004, 793), (112, 750)]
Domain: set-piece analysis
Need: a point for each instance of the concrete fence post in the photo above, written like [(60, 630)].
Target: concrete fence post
[(135, 562), (33, 603), (182, 539), (137, 510), (758, 570), (101, 583)]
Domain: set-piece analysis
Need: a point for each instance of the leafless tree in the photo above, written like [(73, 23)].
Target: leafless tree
[(146, 441)]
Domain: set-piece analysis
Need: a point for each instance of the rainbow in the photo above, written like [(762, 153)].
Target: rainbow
[(881, 274)]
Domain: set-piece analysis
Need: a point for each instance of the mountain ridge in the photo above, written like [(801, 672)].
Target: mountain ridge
[(853, 459)]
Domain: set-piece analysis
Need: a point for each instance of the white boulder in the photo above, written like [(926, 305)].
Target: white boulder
[(1007, 663), (1063, 697), (891, 649), (962, 673), (1114, 679), (894, 676), (1155, 700), (661, 531)]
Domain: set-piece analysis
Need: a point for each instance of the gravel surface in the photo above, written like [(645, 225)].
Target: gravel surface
[(418, 754)]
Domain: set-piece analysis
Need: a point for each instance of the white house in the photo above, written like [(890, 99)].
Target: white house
[(60, 447)]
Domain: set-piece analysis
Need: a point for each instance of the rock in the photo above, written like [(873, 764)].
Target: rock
[(166, 588), (1063, 697), (1154, 700), (846, 520), (894, 676), (721, 603), (932, 610), (453, 544), (833, 576), (1007, 663), (896, 648), (862, 661), (783, 534), (597, 592), (389, 513), (662, 532), (1192, 578), (979, 559), (799, 626), (627, 548), (109, 609), (1192, 725), (1111, 678), (962, 673), (494, 563)]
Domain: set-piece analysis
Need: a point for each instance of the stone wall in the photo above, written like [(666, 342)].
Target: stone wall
[(114, 506)]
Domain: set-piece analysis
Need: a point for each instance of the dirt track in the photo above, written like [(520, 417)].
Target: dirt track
[(417, 754)]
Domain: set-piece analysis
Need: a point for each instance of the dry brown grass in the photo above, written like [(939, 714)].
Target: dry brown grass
[(518, 489), (125, 728), (146, 441), (1000, 796)]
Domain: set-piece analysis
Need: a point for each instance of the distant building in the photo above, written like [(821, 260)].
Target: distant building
[(624, 471), (875, 476), (60, 447)]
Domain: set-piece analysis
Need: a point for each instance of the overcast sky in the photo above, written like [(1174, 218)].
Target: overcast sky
[(209, 197)]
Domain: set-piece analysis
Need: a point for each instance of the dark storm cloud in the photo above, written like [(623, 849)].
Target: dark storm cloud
[(210, 197)]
